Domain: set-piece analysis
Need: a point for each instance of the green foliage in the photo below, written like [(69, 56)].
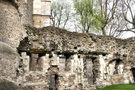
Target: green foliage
[(119, 87), (60, 13), (90, 17), (7, 85)]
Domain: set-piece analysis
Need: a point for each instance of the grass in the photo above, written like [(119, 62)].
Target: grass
[(119, 87)]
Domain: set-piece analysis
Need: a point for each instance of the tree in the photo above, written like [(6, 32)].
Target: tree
[(60, 13), (100, 15), (129, 14), (112, 20), (85, 11)]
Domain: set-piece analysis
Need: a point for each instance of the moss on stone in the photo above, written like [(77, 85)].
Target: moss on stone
[(7, 85), (5, 48)]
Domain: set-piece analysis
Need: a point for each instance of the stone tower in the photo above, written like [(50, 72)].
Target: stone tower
[(41, 13)]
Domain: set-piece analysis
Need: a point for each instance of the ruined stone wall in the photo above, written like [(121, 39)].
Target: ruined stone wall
[(70, 60), (53, 58), (59, 40)]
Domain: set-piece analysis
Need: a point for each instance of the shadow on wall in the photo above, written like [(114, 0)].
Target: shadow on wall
[(115, 67), (133, 72), (13, 2)]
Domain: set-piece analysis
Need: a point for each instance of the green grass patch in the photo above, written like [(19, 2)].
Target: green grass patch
[(119, 87)]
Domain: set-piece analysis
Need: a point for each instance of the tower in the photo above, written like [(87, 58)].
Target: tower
[(41, 13)]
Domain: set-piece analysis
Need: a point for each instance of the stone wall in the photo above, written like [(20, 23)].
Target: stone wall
[(75, 61), (9, 62), (11, 33), (53, 58)]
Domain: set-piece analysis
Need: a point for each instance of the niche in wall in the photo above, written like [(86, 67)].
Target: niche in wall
[(90, 71), (115, 67), (36, 62)]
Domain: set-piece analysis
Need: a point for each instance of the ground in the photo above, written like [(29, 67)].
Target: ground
[(119, 87)]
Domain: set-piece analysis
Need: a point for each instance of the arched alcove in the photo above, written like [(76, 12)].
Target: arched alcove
[(133, 72), (118, 66), (115, 67), (36, 61)]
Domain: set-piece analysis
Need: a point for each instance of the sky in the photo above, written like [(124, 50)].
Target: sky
[(126, 34)]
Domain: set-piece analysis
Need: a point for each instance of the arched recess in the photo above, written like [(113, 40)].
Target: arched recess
[(115, 67), (133, 72), (132, 63), (36, 61)]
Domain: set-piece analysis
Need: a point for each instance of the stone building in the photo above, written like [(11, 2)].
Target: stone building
[(51, 58)]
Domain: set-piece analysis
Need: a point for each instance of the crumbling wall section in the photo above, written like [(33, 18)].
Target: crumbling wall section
[(50, 55), (90, 61)]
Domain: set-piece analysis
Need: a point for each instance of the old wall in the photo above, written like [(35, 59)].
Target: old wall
[(53, 58), (13, 14), (75, 60), (9, 62), (59, 40)]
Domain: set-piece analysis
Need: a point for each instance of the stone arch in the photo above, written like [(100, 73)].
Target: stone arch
[(133, 72), (115, 66)]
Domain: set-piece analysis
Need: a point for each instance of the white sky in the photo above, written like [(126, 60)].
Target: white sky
[(128, 34)]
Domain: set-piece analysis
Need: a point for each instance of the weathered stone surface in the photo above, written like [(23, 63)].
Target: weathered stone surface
[(25, 8), (10, 26), (53, 58), (7, 85), (9, 60), (59, 40), (93, 61), (11, 33)]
